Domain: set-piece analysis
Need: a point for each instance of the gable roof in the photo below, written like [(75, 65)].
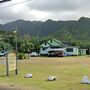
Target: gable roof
[(59, 42), (54, 42)]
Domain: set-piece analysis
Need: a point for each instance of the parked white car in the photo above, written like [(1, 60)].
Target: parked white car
[(3, 53), (34, 54)]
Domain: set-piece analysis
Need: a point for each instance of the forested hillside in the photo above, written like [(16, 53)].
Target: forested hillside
[(77, 32)]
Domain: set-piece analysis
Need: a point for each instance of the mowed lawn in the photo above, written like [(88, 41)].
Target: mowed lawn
[(68, 71)]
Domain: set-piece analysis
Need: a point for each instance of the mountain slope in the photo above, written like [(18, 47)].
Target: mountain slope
[(64, 30)]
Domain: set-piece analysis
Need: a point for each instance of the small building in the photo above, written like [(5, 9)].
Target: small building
[(53, 47), (82, 52)]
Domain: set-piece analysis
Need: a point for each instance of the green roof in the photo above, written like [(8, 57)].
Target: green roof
[(53, 42)]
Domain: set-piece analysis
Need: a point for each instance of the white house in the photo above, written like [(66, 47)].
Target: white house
[(57, 48)]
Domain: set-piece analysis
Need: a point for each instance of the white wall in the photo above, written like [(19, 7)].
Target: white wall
[(75, 51), (44, 51)]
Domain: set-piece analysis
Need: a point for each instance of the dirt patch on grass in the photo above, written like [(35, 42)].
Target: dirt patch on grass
[(3, 87), (15, 87), (11, 87)]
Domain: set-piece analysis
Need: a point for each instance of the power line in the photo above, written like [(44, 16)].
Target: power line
[(19, 3), (16, 3), (2, 1)]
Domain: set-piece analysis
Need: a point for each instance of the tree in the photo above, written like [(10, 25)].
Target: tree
[(25, 46)]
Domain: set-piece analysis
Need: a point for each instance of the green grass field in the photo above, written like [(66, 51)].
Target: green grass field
[(68, 70)]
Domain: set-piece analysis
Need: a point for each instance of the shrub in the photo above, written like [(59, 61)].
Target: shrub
[(21, 56)]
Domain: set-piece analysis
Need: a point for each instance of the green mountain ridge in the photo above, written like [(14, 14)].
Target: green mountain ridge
[(63, 30)]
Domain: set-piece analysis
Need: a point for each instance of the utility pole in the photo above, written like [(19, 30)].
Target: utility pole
[(16, 71), (15, 32)]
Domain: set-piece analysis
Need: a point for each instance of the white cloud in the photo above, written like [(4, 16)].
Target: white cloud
[(44, 9), (39, 14)]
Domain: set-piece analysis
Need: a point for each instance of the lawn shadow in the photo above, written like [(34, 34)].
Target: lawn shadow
[(2, 75)]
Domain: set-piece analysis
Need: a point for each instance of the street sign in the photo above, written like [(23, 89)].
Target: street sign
[(11, 62)]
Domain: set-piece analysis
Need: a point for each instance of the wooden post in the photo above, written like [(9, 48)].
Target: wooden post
[(7, 68)]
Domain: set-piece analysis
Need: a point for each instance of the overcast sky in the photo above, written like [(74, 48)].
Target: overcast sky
[(42, 10)]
